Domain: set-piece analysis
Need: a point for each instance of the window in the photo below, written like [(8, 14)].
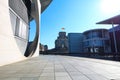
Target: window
[(20, 28), (13, 21)]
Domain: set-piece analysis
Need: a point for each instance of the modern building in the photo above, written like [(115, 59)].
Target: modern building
[(114, 32), (16, 16), (61, 43), (117, 35), (96, 41), (75, 41)]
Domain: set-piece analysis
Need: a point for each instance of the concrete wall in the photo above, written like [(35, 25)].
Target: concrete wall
[(9, 50), (18, 12), (11, 46)]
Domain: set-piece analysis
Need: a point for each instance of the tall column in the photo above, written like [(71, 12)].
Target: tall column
[(114, 37)]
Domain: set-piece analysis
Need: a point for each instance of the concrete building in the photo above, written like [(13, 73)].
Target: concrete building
[(15, 17), (75, 41), (43, 47), (114, 31), (96, 41), (61, 43)]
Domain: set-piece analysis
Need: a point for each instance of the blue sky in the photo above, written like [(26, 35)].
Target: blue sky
[(74, 15)]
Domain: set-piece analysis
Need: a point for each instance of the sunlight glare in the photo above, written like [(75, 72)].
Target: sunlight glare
[(110, 6)]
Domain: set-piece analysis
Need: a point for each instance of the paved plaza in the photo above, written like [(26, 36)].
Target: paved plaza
[(55, 67)]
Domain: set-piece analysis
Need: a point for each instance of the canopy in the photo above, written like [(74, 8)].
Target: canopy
[(44, 4), (113, 20)]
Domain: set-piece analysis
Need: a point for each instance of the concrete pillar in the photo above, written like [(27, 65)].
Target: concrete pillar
[(114, 37)]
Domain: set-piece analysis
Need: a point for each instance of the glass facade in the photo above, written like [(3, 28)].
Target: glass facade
[(96, 40), (75, 42)]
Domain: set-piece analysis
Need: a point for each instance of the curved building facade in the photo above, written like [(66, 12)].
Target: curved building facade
[(96, 41), (16, 16)]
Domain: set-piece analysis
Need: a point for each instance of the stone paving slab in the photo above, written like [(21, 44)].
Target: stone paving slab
[(55, 67)]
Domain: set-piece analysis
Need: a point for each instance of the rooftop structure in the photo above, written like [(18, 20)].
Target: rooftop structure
[(112, 20)]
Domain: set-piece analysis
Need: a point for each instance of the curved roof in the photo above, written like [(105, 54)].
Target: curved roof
[(94, 30), (44, 4)]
